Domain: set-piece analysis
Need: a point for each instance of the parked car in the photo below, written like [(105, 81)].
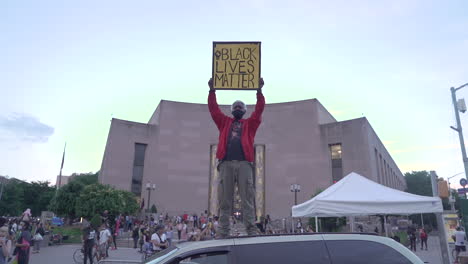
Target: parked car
[(280, 249)]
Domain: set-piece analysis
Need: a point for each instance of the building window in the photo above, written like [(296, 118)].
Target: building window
[(377, 166), (382, 173), (138, 164), (385, 182), (337, 162)]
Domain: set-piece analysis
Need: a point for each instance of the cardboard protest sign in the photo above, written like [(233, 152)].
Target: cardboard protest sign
[(236, 65)]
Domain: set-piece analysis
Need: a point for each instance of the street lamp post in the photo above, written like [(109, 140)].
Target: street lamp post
[(295, 188), (459, 127), (149, 188)]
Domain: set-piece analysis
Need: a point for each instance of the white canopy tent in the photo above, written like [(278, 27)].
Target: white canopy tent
[(355, 195)]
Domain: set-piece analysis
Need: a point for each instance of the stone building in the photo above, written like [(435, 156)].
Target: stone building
[(297, 143)]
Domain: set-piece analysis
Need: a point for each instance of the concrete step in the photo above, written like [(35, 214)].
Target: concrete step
[(125, 243)]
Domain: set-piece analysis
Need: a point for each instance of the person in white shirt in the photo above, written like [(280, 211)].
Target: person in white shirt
[(159, 239), (105, 237), (14, 227), (459, 236), (169, 235)]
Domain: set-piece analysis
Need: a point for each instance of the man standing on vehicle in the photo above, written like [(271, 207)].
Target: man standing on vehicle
[(236, 155)]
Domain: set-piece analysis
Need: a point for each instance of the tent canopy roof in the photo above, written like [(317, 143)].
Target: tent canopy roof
[(356, 195)]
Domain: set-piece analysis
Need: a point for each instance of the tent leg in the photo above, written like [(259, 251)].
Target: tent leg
[(385, 225), (351, 219), (316, 224), (422, 221)]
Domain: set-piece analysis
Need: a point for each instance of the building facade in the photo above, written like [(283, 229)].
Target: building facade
[(297, 143)]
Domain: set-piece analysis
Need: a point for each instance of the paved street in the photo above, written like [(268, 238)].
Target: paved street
[(64, 254)]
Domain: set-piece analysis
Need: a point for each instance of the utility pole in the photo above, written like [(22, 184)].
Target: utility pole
[(459, 127), (440, 223)]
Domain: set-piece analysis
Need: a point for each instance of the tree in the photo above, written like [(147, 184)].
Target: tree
[(419, 182), (12, 203), (96, 198), (154, 210), (85, 178), (19, 195), (96, 221), (64, 203), (37, 196)]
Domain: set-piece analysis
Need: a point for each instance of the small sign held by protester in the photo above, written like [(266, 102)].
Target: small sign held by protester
[(236, 65)]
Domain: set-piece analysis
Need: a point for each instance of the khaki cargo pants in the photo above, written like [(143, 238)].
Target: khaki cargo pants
[(230, 173)]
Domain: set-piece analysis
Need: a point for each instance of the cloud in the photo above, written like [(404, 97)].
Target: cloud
[(24, 127)]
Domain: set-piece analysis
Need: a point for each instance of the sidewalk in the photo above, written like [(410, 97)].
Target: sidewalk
[(433, 254), (64, 254)]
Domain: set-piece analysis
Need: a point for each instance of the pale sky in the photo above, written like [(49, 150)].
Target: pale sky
[(68, 67)]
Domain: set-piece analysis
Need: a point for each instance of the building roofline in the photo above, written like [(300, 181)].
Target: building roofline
[(268, 104), (128, 122), (376, 135)]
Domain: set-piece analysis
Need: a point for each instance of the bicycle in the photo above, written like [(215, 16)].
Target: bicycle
[(78, 255)]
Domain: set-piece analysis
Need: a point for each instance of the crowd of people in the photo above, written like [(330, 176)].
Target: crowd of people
[(155, 232), (415, 234), (17, 236)]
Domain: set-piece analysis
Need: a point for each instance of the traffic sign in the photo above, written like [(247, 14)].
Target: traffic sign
[(463, 182)]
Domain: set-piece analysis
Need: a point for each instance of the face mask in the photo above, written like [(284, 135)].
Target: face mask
[(238, 114)]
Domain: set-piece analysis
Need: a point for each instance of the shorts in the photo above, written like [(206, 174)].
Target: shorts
[(460, 248)]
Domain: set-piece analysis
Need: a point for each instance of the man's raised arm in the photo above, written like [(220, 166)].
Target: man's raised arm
[(257, 114), (213, 106)]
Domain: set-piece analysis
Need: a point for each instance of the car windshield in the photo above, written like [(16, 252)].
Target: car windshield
[(156, 258)]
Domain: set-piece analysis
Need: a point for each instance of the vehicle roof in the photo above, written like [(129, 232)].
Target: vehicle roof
[(246, 240), (275, 238)]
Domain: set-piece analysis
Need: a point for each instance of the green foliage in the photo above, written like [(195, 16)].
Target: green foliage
[(419, 182), (19, 195), (154, 210), (96, 221), (74, 234), (86, 178), (96, 198), (65, 201)]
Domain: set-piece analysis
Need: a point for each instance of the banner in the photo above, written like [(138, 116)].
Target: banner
[(236, 65)]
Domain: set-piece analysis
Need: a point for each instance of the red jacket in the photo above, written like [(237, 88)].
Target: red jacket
[(249, 126)]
